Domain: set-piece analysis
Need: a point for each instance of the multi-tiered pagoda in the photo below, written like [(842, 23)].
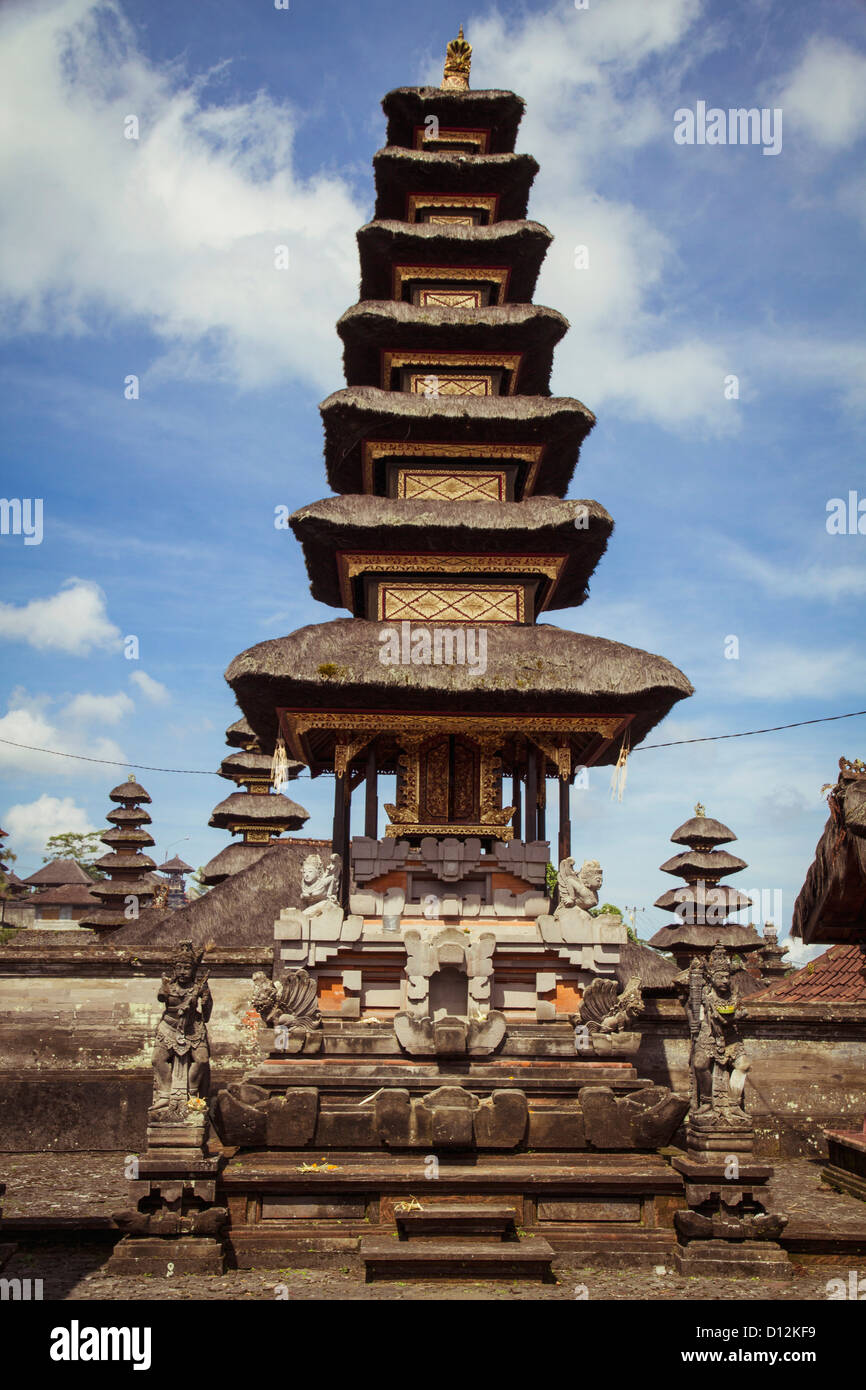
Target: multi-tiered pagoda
[(450, 537), (129, 887)]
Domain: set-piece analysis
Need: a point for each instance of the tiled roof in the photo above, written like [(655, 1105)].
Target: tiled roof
[(58, 872), (836, 976), (66, 895)]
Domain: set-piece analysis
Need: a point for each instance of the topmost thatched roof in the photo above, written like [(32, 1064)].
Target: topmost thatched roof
[(498, 112), (702, 831), (129, 791)]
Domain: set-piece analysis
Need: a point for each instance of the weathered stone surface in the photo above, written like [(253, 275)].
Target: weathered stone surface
[(500, 1122), (561, 1127), (646, 1119), (240, 1117), (291, 1119)]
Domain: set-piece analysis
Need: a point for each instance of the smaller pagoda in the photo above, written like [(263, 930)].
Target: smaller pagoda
[(175, 870), (774, 966), (127, 867), (704, 903), (255, 812)]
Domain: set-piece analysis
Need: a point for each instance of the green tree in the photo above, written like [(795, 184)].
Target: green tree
[(82, 846)]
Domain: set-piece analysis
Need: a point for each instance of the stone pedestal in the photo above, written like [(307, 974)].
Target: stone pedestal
[(727, 1228), (175, 1226)]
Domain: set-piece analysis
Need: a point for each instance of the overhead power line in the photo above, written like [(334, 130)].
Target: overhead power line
[(641, 748)]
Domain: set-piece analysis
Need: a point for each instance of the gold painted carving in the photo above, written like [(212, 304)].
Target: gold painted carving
[(449, 299), (383, 449), (346, 749), (352, 563), (424, 364), (421, 202), (486, 603), (488, 275), (557, 751), (452, 135), (451, 485), (458, 62)]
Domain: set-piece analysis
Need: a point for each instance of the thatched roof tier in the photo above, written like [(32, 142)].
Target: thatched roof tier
[(274, 809), (497, 112), (129, 792), (129, 815), (682, 937), (239, 912), (530, 670), (694, 899), (831, 905), (239, 734), (139, 862), (542, 526), (241, 767), (58, 872), (399, 173), (124, 837), (356, 417), (655, 971), (702, 832), (519, 246), (109, 889), (175, 865), (373, 328), (68, 895), (695, 863), (232, 860)]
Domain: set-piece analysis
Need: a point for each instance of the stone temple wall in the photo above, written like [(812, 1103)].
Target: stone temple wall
[(75, 1040)]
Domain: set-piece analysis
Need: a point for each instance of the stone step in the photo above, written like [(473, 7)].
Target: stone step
[(385, 1257), (487, 1219)]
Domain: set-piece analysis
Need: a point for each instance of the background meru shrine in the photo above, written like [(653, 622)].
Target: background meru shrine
[(292, 1052)]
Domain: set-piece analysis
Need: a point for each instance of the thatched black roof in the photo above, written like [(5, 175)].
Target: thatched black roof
[(231, 860), (521, 246), (535, 670), (132, 860), (694, 899), (57, 873), (831, 905), (399, 172), (375, 326), (129, 791), (129, 815), (352, 416), (702, 938), (702, 832), (697, 863), (540, 526), (239, 734), (175, 865), (239, 912), (499, 112), (271, 809), (655, 971)]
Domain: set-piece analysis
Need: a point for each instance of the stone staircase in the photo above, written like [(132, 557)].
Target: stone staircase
[(464, 1241)]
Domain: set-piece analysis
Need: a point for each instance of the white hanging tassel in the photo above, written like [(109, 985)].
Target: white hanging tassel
[(279, 766), (620, 772)]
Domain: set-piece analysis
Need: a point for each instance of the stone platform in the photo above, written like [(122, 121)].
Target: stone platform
[(607, 1207)]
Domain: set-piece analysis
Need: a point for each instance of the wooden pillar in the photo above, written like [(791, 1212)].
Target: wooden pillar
[(541, 817), (564, 819), (371, 799), (516, 819), (531, 800), (339, 838)]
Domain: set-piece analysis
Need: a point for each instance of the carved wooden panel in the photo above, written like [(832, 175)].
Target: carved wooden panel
[(432, 383), (451, 603), (451, 485), (450, 299), (450, 781)]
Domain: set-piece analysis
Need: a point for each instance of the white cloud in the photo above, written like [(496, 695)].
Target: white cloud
[(178, 228), (809, 581), (153, 691), (74, 621), (102, 709), (28, 725), (32, 823), (825, 95), (785, 671)]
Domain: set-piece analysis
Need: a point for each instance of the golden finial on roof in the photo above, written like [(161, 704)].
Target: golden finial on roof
[(458, 61), (700, 810)]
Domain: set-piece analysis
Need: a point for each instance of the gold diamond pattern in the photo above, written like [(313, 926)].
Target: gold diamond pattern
[(449, 299), (450, 603), (420, 384), (455, 485)]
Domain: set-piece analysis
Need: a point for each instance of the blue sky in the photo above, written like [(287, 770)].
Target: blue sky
[(155, 258)]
